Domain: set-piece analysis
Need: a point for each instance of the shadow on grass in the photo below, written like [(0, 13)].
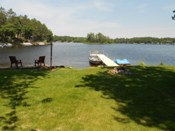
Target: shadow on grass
[(14, 86), (147, 96)]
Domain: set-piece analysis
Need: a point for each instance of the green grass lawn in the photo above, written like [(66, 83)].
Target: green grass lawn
[(88, 99)]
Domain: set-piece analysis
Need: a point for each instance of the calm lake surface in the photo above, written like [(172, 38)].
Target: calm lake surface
[(76, 54)]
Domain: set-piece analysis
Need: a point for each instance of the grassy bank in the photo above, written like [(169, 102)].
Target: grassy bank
[(88, 99)]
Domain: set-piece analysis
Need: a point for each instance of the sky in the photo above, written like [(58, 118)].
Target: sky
[(113, 18)]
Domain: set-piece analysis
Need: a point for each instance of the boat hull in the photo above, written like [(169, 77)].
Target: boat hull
[(95, 63), (94, 59)]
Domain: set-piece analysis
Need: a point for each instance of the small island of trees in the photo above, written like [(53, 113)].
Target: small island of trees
[(18, 29)]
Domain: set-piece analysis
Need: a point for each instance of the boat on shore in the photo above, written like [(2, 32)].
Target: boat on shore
[(94, 59)]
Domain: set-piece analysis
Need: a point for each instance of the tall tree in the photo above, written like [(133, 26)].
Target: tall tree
[(17, 29), (2, 16), (10, 13), (91, 37)]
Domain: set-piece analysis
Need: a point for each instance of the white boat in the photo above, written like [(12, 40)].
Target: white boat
[(1, 46), (8, 45), (27, 44), (93, 58)]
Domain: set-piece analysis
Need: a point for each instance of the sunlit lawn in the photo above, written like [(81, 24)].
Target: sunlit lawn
[(88, 99)]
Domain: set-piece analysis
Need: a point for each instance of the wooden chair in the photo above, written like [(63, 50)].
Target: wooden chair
[(40, 61), (13, 60)]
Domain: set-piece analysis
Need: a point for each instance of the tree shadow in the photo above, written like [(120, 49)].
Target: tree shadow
[(146, 96), (14, 86)]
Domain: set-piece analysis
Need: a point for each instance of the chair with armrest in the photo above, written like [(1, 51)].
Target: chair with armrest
[(13, 60), (40, 61)]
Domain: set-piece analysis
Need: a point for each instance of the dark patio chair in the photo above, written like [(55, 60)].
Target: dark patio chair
[(13, 60), (40, 61)]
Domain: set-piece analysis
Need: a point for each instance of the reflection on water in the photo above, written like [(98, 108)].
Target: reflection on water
[(76, 54)]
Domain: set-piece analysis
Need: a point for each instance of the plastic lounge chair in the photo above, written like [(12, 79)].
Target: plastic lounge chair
[(122, 62), (40, 61), (13, 60)]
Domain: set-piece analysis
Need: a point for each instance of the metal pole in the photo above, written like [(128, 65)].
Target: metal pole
[(51, 54)]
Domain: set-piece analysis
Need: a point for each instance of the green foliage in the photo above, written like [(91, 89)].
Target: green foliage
[(98, 38), (146, 40), (142, 63), (69, 39), (17, 29), (91, 38), (2, 16), (161, 63)]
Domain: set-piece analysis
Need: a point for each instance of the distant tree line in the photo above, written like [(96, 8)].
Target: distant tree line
[(69, 39), (91, 38), (145, 40), (17, 29), (100, 38)]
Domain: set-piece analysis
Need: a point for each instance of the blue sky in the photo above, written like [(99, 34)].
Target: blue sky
[(114, 18)]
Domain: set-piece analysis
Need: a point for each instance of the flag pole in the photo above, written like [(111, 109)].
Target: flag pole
[(51, 44)]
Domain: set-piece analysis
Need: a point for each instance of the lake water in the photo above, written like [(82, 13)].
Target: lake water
[(76, 54)]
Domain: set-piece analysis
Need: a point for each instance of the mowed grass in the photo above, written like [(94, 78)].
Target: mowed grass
[(88, 99)]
